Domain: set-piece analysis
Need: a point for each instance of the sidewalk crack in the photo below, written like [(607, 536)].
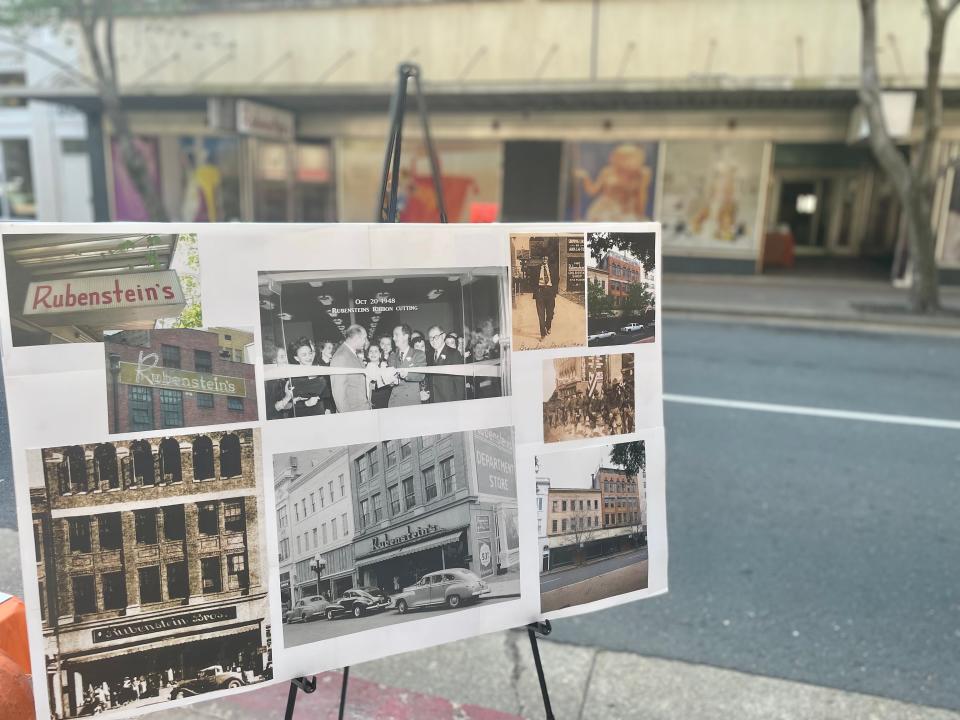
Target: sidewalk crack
[(586, 685), (516, 668)]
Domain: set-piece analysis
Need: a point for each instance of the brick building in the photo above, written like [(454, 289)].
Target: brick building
[(159, 379), (434, 502), (624, 497), (149, 555), (573, 510), (622, 272)]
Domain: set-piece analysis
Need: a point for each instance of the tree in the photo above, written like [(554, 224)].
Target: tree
[(95, 20), (914, 182), (599, 303), (583, 524), (639, 300), (640, 245), (630, 456)]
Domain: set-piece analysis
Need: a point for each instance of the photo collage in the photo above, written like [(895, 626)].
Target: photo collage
[(471, 441)]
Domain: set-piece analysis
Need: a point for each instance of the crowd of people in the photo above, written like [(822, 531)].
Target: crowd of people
[(607, 411), (104, 696), (386, 370)]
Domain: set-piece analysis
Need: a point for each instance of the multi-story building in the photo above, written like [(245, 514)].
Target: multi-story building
[(624, 497), (160, 379), (434, 502), (601, 276), (150, 558), (233, 344), (543, 492), (623, 272), (281, 494), (320, 512), (573, 510)]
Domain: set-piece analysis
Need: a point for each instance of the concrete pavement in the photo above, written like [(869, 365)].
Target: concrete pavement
[(569, 327)]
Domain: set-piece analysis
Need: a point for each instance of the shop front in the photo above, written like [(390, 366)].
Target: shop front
[(495, 516)]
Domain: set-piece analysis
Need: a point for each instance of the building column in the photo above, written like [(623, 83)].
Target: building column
[(61, 547), (191, 554), (130, 575), (251, 534)]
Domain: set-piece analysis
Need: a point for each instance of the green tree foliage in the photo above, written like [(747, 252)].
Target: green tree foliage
[(192, 315), (598, 302), (631, 456), (639, 301), (639, 245)]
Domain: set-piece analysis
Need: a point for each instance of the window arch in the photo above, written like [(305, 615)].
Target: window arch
[(105, 466), (230, 465), (73, 470), (143, 470), (170, 467), (202, 458)]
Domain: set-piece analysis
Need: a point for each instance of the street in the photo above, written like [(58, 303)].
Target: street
[(567, 576), (321, 629), (645, 335)]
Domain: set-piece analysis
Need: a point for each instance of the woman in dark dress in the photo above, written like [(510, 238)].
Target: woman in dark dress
[(380, 392), (327, 404), (307, 392)]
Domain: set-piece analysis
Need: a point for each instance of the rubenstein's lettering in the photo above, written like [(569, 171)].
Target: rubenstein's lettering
[(422, 531), (174, 622), (147, 373), (108, 292)]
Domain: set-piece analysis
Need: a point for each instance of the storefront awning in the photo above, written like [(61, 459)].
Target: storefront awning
[(410, 549)]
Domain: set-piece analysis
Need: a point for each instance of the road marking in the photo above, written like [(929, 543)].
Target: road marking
[(914, 420)]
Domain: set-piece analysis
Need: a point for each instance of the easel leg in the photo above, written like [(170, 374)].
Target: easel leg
[(542, 628), (343, 691), (300, 683)]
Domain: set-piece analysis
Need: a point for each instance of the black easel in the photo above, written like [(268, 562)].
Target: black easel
[(386, 211)]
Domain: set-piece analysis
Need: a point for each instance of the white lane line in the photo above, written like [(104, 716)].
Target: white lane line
[(941, 423)]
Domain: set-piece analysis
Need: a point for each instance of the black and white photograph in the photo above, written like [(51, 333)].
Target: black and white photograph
[(548, 291), (76, 287), (151, 570), (591, 523), (337, 342), (621, 288), (588, 396), (380, 533)]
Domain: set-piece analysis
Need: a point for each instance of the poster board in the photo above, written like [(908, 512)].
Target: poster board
[(483, 465)]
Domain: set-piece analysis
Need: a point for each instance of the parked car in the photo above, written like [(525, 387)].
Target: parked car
[(358, 602), (632, 327), (307, 608), (210, 678), (445, 587), (285, 609), (602, 335)]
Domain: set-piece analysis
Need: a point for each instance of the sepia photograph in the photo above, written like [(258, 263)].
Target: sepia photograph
[(379, 533), (591, 524), (160, 379), (76, 287), (621, 288), (588, 396), (548, 291), (337, 341), (151, 567)]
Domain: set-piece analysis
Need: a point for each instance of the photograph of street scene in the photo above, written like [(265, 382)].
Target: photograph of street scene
[(346, 341), (548, 287), (74, 287), (379, 533), (621, 288), (588, 396), (591, 524), (151, 570)]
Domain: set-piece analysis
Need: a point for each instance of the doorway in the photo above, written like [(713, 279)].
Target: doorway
[(804, 207)]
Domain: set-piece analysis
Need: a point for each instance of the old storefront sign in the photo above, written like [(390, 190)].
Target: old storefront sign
[(496, 473), (146, 372), (413, 534), (174, 622)]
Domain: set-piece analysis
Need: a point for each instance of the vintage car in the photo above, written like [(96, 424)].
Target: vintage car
[(631, 328), (210, 678), (445, 587), (307, 608), (358, 602), (601, 335)]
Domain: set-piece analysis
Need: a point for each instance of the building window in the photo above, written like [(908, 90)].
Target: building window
[(333, 528), (315, 543), (143, 470), (563, 525), (171, 408), (409, 494), (330, 486), (174, 523), (170, 356), (233, 520), (202, 361), (391, 453), (313, 502), (210, 575), (170, 468), (79, 534), (296, 512), (361, 464), (145, 524), (114, 591), (343, 522), (429, 483), (342, 487), (230, 456), (140, 405), (235, 403), (73, 470), (596, 504), (150, 584), (364, 513), (405, 451), (554, 525), (84, 595), (563, 505), (37, 546), (105, 466), (237, 576), (110, 531), (208, 522), (204, 400), (373, 459), (324, 528), (393, 493), (178, 582), (554, 505), (322, 501), (299, 549), (203, 458), (448, 476)]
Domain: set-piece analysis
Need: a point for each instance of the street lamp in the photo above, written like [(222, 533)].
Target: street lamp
[(115, 374), (318, 567)]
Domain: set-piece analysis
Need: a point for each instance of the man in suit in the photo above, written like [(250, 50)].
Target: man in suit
[(350, 390), (407, 389), (545, 292), (444, 388)]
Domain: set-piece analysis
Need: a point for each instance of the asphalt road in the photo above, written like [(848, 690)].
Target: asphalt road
[(645, 335), (807, 548), (568, 576)]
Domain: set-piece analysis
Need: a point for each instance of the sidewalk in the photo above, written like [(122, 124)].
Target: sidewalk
[(493, 677), (804, 299), (569, 324)]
